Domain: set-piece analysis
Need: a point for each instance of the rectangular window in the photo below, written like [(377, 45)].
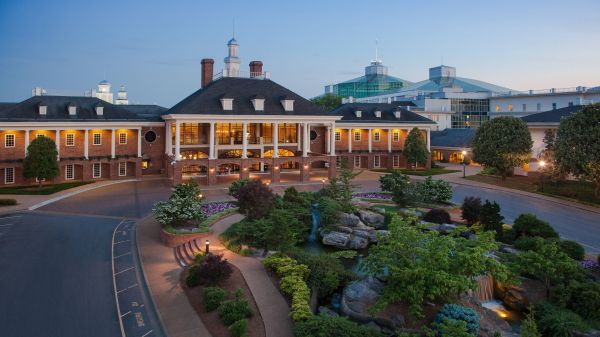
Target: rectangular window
[(570, 104), (338, 161), (553, 106), (376, 136), (9, 175), (122, 169), (396, 161), (338, 136), (97, 138), (396, 136), (96, 170), (122, 138), (70, 139), (357, 161), (510, 107), (376, 161), (69, 172), (538, 107), (9, 140), (145, 164), (357, 136), (524, 107), (497, 107)]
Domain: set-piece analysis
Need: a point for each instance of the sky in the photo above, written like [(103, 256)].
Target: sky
[(155, 47)]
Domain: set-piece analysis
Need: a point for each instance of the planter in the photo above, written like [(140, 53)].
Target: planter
[(174, 240)]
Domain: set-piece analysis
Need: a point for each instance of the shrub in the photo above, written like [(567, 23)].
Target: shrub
[(192, 279), (292, 283), (553, 321), (212, 298), (183, 205), (471, 209), (234, 310), (397, 184), (459, 313), (435, 190), (530, 225), (581, 296), (255, 199), (236, 185), (211, 270), (329, 211), (452, 328), (332, 326), (437, 215), (8, 202), (489, 171), (327, 272), (529, 327), (239, 328), (490, 218), (525, 243), (573, 249)]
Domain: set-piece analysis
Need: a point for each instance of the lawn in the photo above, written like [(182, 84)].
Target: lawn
[(580, 191), (43, 190), (422, 173)]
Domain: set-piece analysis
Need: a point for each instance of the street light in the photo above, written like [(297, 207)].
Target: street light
[(464, 153), (323, 180), (542, 165), (206, 251)]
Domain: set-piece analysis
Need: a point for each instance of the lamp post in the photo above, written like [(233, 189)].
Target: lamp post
[(207, 250), (464, 153), (323, 181), (542, 165)]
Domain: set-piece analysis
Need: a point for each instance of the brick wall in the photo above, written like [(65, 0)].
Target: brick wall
[(154, 152)]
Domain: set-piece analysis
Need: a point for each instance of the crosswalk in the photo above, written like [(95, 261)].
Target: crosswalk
[(7, 222)]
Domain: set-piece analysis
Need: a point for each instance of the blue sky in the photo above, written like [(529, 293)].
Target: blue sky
[(155, 47)]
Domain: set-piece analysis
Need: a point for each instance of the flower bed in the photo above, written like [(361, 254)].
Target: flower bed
[(373, 196), (213, 208)]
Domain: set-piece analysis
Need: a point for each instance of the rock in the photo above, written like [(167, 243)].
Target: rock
[(374, 326), (344, 229), (504, 248), (447, 227), (371, 218), (378, 210), (336, 239), (398, 320), (358, 242), (349, 220), (522, 296), (591, 333), (361, 203), (358, 296), (362, 233), (326, 311)]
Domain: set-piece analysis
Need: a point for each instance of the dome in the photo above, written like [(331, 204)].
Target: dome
[(232, 41), (104, 82)]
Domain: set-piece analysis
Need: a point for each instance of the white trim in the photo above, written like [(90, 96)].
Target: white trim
[(396, 161), (14, 140), (6, 182), (254, 118), (125, 142), (359, 160), (377, 136), (94, 170), (76, 125), (367, 125), (67, 139), (94, 138), (376, 161), (72, 171), (354, 133), (338, 136), (124, 164)]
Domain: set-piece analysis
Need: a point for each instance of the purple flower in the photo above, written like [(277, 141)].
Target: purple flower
[(213, 208), (589, 264), (374, 195)]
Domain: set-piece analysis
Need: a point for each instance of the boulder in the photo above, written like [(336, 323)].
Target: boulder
[(371, 218), (350, 220), (361, 203), (326, 311), (504, 248), (362, 233), (344, 229), (358, 296), (358, 242), (522, 296), (336, 239)]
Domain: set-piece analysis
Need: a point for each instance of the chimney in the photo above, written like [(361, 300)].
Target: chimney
[(256, 69), (207, 71)]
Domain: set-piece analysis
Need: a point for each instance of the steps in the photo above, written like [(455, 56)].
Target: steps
[(184, 253)]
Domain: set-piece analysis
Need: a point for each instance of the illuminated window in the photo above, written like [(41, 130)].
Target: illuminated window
[(338, 136), (96, 170), (39, 135), (69, 172), (357, 161), (376, 136), (357, 136), (70, 139), (510, 108), (9, 140), (145, 164), (376, 161), (396, 161), (122, 169), (9, 175), (396, 136), (122, 138), (497, 107), (97, 138)]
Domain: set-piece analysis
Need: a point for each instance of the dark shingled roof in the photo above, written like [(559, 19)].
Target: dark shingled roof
[(57, 110), (347, 111), (551, 116), (6, 105), (243, 90), (460, 138), (146, 111)]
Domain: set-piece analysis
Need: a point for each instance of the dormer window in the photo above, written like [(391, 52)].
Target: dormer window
[(358, 113), (42, 109), (259, 104), (72, 110), (100, 110), (288, 104), (397, 114), (227, 103), (377, 114)]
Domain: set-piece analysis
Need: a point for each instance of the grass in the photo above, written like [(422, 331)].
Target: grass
[(43, 190), (203, 226), (8, 202), (423, 173), (580, 191)]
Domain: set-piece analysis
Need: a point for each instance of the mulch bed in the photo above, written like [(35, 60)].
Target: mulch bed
[(211, 320)]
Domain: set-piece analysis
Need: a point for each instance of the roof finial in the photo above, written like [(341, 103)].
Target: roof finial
[(376, 51), (233, 25)]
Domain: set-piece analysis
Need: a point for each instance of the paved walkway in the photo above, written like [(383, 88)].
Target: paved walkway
[(180, 319)]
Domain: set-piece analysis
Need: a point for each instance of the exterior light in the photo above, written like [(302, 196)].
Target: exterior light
[(276, 167), (207, 249), (267, 183), (323, 181), (212, 170), (464, 153), (245, 169), (542, 163), (305, 166), (200, 195)]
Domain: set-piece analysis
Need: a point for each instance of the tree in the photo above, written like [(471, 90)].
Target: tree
[(399, 185), (528, 326), (41, 160), (328, 101), (502, 143), (577, 145), (425, 265), (551, 169), (471, 209), (491, 219), (340, 188), (184, 204), (280, 230), (415, 149), (255, 199)]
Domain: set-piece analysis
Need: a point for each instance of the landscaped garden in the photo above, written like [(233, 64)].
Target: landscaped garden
[(42, 189)]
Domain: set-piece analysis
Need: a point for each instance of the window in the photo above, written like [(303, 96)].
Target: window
[(524, 107), (357, 136), (538, 107), (96, 170), (357, 161), (150, 136), (9, 140), (376, 161), (70, 139), (39, 135), (570, 104), (69, 172), (122, 138), (377, 136), (497, 107), (338, 136), (97, 138), (396, 161), (122, 169), (9, 175), (338, 161), (145, 164), (510, 107), (396, 136), (553, 106)]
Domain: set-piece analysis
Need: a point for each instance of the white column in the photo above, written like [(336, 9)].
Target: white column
[(244, 140), (276, 140), (370, 141), (112, 143), (169, 140), (58, 144), (26, 140), (211, 143), (305, 136), (390, 140), (298, 132), (177, 141), (86, 144), (349, 140), (428, 140), (262, 155), (332, 140), (139, 139), (328, 140)]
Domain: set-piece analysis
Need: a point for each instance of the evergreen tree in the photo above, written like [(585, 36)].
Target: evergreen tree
[(491, 219), (41, 160), (415, 149)]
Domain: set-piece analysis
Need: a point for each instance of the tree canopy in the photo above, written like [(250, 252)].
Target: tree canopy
[(577, 146), (415, 149), (502, 143), (41, 160), (328, 101)]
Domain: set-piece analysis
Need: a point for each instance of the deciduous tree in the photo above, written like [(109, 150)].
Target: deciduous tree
[(41, 160), (415, 149), (328, 101)]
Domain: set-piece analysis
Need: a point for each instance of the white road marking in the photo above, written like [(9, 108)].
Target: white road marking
[(146, 334), (112, 254), (6, 225), (125, 314), (122, 290), (121, 241), (116, 257), (124, 270)]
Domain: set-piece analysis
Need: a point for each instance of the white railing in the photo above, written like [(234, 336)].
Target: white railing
[(243, 74), (579, 89)]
